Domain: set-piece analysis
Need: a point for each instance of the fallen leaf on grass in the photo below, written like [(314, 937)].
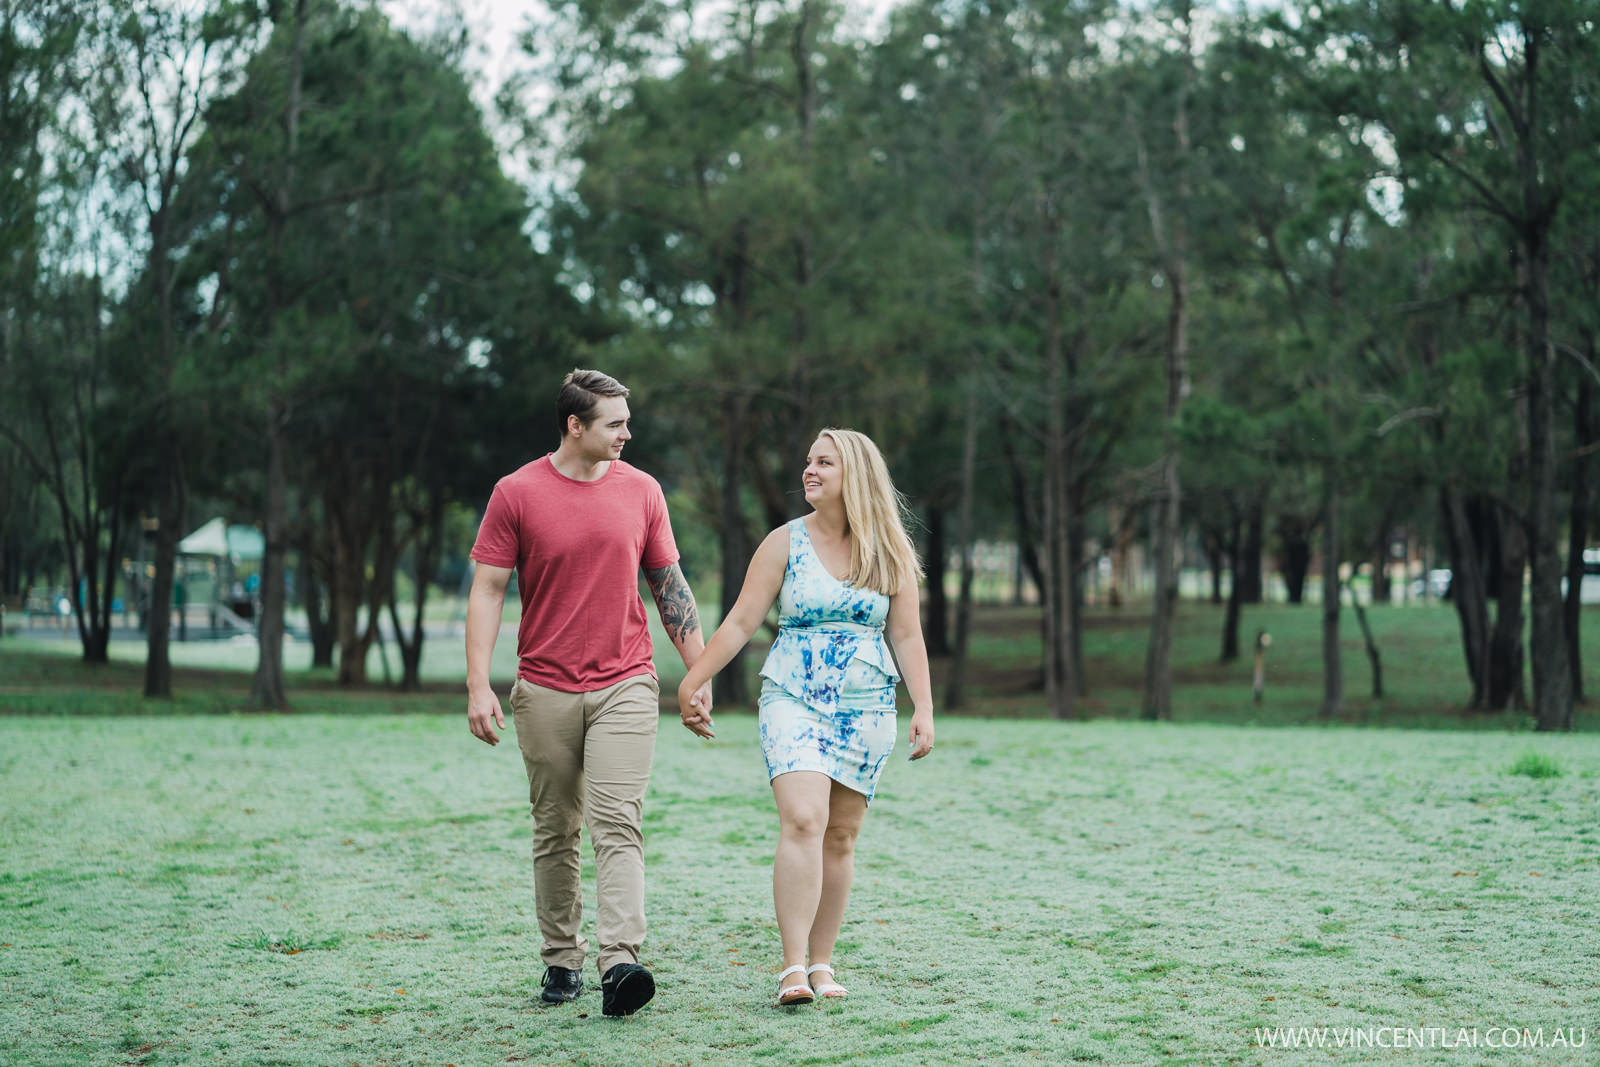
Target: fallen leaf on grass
[(1465, 874), (735, 963)]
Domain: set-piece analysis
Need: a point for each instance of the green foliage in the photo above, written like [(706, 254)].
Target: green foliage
[(1535, 765), (288, 943)]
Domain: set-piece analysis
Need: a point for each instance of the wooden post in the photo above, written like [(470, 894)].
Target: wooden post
[(1263, 642)]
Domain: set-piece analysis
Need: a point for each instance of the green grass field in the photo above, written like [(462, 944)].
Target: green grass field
[(355, 889), (350, 884)]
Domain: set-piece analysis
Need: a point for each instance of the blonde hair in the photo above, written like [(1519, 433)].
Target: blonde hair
[(882, 557)]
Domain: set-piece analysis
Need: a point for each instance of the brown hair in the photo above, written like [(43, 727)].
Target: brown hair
[(580, 394)]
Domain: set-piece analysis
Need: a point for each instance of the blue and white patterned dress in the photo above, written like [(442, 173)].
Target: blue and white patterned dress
[(827, 691)]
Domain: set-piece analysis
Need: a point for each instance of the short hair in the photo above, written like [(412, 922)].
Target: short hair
[(580, 395)]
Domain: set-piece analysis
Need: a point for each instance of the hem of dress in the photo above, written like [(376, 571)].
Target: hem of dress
[(853, 787)]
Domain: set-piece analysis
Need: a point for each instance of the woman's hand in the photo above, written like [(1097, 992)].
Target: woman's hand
[(921, 739), (694, 708)]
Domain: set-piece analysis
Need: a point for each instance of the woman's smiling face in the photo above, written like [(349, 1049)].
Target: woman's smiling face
[(823, 480)]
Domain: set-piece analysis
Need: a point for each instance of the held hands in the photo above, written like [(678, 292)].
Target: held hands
[(694, 708), (484, 716), (921, 740)]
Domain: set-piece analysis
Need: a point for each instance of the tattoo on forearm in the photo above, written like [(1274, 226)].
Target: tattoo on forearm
[(675, 601)]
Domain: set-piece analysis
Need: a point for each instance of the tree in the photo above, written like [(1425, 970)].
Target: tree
[(163, 64), (1497, 129)]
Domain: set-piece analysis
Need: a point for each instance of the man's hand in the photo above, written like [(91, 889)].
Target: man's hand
[(484, 716), (694, 708)]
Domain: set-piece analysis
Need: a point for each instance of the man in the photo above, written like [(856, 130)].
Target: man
[(576, 526)]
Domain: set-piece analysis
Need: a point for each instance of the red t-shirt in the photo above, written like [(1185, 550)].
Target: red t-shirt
[(577, 548)]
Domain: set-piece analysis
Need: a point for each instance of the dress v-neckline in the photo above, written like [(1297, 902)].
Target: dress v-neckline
[(818, 556)]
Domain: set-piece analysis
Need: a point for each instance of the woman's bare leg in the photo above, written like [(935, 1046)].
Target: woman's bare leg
[(797, 870), (846, 811)]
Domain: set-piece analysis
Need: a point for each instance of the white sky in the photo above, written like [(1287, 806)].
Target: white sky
[(494, 27), (496, 24)]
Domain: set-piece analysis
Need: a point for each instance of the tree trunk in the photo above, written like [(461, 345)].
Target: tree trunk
[(732, 688), (936, 627), (1578, 527), (1061, 687), (1248, 575), (1230, 623), (429, 527), (956, 682), (316, 599), (1469, 593), (1382, 591), (349, 567), (1552, 675), (1077, 537), (1295, 534), (1332, 665), (1215, 554), (1373, 656), (1021, 505), (1506, 687), (1172, 238), (267, 690), (169, 528)]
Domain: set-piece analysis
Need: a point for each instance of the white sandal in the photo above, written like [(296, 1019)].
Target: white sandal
[(830, 989), (799, 993)]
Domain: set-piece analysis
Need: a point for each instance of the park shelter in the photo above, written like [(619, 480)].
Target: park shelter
[(226, 551), (236, 544)]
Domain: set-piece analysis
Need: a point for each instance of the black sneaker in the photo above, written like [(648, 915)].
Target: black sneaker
[(625, 988), (561, 985)]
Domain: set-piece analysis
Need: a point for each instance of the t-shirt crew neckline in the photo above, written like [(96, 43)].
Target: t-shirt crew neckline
[(550, 461)]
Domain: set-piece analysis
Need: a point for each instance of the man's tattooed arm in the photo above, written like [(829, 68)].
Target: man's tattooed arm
[(675, 601)]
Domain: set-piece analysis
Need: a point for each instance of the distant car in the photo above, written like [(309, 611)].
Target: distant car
[(1438, 581), (1436, 585)]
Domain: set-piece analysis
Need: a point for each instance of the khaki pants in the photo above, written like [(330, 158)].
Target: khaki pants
[(588, 759)]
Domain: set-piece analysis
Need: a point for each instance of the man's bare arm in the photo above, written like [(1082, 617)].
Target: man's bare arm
[(679, 615), (484, 604)]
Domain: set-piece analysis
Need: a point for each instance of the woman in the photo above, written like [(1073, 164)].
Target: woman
[(827, 715)]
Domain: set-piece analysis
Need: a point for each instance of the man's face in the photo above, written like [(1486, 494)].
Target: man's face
[(605, 435)]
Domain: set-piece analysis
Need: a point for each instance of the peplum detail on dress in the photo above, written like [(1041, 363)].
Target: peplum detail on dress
[(824, 626)]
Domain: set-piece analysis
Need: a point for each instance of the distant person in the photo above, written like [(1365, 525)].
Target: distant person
[(577, 525), (180, 603), (827, 707)]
